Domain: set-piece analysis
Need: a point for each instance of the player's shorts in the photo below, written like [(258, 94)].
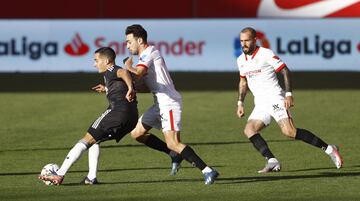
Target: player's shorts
[(113, 124), (165, 118), (270, 108)]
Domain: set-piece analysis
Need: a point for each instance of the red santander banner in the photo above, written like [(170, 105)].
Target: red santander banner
[(294, 8)]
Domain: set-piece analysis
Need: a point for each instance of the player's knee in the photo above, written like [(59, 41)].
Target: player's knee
[(289, 132), (172, 145), (136, 135), (248, 132)]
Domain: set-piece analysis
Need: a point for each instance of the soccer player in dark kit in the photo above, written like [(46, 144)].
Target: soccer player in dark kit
[(119, 118)]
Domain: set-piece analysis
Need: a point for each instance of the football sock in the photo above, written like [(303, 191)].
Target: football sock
[(310, 138), (261, 145), (94, 152), (73, 155), (155, 143), (207, 169), (175, 157), (329, 150), (189, 155)]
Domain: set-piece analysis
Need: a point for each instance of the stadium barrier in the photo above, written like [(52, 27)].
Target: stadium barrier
[(184, 81)]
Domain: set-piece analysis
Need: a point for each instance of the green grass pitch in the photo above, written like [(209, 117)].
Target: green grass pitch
[(40, 128)]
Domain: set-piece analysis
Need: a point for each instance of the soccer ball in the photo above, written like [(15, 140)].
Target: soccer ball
[(48, 170)]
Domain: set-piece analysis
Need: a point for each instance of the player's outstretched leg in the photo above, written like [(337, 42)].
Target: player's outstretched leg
[(73, 155), (310, 138)]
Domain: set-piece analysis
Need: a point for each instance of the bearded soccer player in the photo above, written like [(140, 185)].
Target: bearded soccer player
[(258, 67)]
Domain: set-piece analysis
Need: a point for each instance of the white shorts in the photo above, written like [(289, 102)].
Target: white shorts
[(166, 118), (271, 108)]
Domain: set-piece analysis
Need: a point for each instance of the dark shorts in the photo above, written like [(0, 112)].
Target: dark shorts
[(113, 124)]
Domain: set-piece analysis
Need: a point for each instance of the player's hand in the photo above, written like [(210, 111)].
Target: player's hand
[(124, 60), (128, 63), (99, 88), (289, 102), (130, 95), (240, 111)]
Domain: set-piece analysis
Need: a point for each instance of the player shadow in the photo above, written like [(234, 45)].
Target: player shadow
[(86, 171), (100, 170), (235, 180), (140, 145), (310, 169), (234, 142), (139, 182), (127, 169), (320, 168), (18, 173), (232, 180)]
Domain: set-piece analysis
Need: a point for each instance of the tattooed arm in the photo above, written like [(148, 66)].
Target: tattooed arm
[(289, 100)]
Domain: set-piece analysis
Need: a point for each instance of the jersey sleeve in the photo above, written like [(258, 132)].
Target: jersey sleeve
[(145, 61), (239, 64), (274, 61)]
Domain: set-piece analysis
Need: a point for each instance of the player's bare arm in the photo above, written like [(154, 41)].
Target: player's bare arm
[(125, 75), (289, 100), (99, 88), (243, 88), (138, 71)]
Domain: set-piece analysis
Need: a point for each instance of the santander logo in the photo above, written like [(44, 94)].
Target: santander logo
[(264, 42), (306, 8), (77, 47)]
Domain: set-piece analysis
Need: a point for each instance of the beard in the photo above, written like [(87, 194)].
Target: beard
[(249, 50), (134, 52)]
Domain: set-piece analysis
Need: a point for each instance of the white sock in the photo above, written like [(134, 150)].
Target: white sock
[(273, 160), (94, 152), (73, 155), (328, 150), (207, 169)]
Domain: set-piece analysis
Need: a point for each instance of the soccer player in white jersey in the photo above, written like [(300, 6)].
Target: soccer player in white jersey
[(165, 114), (258, 67)]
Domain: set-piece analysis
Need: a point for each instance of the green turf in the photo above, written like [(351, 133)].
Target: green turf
[(40, 128)]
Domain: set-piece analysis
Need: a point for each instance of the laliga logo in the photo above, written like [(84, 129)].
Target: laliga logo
[(77, 47), (261, 41)]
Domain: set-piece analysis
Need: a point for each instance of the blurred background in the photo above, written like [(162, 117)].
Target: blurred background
[(48, 45)]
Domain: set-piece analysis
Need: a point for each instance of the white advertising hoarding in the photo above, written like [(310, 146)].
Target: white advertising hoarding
[(187, 45)]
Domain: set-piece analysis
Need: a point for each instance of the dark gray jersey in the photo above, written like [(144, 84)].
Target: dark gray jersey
[(116, 90)]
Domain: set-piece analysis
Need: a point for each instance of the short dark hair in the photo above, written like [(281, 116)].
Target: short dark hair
[(108, 52), (138, 31), (249, 29)]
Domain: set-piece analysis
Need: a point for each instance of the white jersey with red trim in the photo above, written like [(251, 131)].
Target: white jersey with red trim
[(260, 69), (157, 77)]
